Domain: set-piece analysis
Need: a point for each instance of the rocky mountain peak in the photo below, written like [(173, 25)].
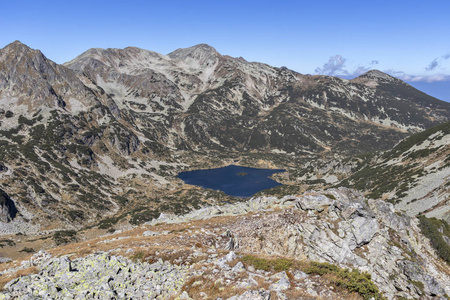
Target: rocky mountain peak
[(127, 59), (28, 74), (17, 46), (377, 75), (16, 50), (196, 51), (200, 56)]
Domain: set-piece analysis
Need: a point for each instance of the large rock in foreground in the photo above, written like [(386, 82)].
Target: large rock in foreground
[(98, 276)]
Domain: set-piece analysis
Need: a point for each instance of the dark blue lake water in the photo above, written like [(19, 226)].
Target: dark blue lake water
[(232, 180)]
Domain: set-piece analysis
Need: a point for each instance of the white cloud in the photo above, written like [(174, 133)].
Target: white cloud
[(437, 62), (429, 78), (432, 65), (415, 78), (334, 66)]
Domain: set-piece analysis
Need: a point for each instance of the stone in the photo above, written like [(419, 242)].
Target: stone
[(282, 284), (230, 256), (250, 283), (150, 233), (253, 295), (364, 229), (299, 275), (313, 202), (100, 274), (238, 268)]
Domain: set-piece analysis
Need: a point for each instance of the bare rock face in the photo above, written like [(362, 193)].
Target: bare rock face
[(8, 209), (340, 227), (347, 231)]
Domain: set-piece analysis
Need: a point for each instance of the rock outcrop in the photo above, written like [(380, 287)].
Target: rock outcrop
[(339, 228), (98, 276), (8, 209)]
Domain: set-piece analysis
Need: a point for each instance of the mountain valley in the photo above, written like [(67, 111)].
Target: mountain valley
[(90, 151)]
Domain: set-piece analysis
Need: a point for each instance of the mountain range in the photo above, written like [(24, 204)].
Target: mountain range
[(92, 147), (101, 133)]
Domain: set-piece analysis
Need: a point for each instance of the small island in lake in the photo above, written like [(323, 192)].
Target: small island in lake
[(242, 174)]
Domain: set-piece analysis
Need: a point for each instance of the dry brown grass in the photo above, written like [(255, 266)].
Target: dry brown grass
[(201, 284), (22, 272)]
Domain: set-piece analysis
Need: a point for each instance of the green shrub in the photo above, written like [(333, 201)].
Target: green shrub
[(109, 222), (64, 236), (332, 197), (75, 214), (27, 250), (418, 284), (23, 120), (277, 264), (321, 268), (6, 242), (435, 229), (352, 280), (139, 256)]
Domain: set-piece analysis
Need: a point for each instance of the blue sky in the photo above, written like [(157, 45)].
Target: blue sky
[(408, 39)]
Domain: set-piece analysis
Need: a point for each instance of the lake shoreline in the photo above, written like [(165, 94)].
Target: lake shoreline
[(233, 180)]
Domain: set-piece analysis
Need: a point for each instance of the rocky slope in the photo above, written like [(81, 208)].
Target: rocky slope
[(63, 144), (216, 102), (295, 247), (106, 133), (414, 175)]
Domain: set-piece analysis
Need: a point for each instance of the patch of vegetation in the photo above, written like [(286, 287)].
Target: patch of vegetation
[(121, 200), (276, 264), (93, 200), (109, 222), (27, 250), (76, 214), (422, 153), (280, 190), (142, 214), (23, 120), (6, 242), (138, 256), (64, 237), (352, 280), (435, 230), (418, 284), (330, 196), (416, 139), (379, 179)]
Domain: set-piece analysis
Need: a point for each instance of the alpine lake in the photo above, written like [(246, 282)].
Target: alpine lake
[(233, 180)]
